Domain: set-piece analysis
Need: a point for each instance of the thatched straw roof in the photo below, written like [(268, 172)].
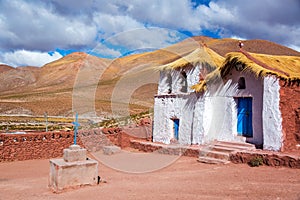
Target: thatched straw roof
[(286, 68), (202, 55)]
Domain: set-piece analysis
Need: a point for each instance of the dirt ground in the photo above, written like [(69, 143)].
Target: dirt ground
[(184, 178)]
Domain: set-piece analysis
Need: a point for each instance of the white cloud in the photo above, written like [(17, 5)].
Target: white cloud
[(216, 16), (166, 13), (152, 38), (28, 58), (277, 21), (75, 24), (111, 24), (137, 40), (35, 26), (103, 50), (297, 48), (237, 37), (257, 19)]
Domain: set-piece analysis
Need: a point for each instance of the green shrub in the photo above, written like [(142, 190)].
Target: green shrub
[(256, 161)]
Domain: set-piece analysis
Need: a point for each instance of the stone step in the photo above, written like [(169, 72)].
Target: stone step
[(238, 145), (219, 151), (210, 160), (223, 149), (214, 154)]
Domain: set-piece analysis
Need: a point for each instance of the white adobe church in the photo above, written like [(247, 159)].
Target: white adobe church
[(204, 97)]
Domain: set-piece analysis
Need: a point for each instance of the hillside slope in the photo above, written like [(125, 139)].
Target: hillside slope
[(33, 90)]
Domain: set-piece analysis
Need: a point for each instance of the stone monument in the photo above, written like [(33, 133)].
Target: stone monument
[(74, 169)]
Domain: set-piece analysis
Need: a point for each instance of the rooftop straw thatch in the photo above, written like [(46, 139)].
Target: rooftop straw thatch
[(286, 68), (202, 55)]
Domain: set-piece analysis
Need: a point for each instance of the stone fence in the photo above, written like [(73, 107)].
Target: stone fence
[(45, 145), (269, 158), (36, 145)]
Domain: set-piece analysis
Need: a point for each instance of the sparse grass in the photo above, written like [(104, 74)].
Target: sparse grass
[(256, 161), (37, 123), (36, 127), (27, 119), (12, 123), (134, 118), (63, 61)]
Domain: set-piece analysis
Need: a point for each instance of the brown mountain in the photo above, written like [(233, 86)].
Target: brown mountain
[(4, 68), (34, 90)]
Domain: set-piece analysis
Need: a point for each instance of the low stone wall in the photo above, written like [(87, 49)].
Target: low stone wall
[(269, 158), (95, 139), (28, 146), (165, 149), (274, 159), (145, 146), (45, 145), (192, 152)]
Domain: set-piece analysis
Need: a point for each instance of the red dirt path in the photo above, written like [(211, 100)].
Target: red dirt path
[(184, 179)]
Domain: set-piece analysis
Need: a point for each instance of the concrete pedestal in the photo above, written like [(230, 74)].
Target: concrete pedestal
[(73, 170)]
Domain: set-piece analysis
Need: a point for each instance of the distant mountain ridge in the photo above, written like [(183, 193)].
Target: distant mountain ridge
[(49, 88)]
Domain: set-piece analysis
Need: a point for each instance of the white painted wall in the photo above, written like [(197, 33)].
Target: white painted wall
[(167, 107), (214, 119), (272, 123), (162, 129), (200, 120), (208, 118), (165, 82), (172, 79), (254, 88), (224, 122), (198, 128), (186, 120), (193, 77), (178, 104), (177, 82)]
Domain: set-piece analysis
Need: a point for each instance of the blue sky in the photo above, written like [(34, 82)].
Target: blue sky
[(36, 32)]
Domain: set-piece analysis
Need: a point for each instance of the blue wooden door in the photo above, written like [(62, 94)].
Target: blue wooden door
[(244, 124), (176, 128)]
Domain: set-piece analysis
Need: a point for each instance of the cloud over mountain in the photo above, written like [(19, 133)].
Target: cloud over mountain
[(45, 26), (34, 58)]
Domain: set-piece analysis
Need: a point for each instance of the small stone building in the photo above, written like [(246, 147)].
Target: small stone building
[(243, 97)]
